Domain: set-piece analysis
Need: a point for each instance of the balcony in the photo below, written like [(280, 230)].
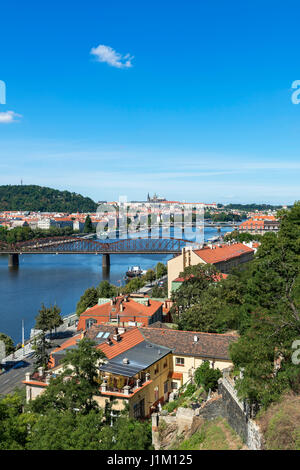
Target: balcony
[(133, 385)]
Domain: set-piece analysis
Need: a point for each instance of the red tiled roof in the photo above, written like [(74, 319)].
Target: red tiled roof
[(209, 345), (175, 375), (223, 252), (69, 342), (128, 340), (129, 308)]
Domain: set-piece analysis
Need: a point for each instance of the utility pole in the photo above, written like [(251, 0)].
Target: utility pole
[(23, 340)]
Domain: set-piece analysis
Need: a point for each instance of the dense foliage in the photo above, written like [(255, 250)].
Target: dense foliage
[(66, 417), (260, 301), (272, 300), (48, 319), (38, 198), (20, 234), (252, 207), (222, 216), (90, 297), (241, 237), (207, 377), (8, 343), (74, 388)]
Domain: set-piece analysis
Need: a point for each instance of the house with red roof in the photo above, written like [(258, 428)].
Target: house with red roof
[(223, 256), (123, 311), (142, 365), (260, 224)]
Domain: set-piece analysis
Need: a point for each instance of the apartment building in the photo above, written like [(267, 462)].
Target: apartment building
[(223, 256), (142, 366)]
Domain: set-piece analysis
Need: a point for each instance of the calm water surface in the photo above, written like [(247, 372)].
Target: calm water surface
[(60, 279)]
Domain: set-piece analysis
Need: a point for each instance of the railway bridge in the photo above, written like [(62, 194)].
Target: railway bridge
[(76, 245)]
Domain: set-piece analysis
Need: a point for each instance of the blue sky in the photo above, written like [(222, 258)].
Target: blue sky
[(188, 99)]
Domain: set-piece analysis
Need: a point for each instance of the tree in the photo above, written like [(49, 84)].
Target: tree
[(127, 434), (14, 424), (106, 290), (75, 431), (135, 284), (67, 431), (41, 347), (73, 388), (55, 317), (159, 292), (197, 279), (88, 299), (207, 377), (161, 270), (273, 299), (46, 320), (8, 343), (150, 275), (88, 226), (202, 316), (38, 198)]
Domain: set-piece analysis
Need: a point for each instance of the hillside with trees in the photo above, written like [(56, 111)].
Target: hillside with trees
[(262, 303), (43, 199)]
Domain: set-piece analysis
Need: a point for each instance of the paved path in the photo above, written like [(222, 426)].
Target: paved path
[(12, 378)]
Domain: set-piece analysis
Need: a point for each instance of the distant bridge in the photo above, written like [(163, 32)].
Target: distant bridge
[(76, 245)]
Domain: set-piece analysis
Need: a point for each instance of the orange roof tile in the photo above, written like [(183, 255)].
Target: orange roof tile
[(129, 339), (175, 375), (223, 252), (130, 307)]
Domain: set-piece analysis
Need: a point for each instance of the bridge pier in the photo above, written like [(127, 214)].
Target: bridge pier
[(105, 260), (13, 260)]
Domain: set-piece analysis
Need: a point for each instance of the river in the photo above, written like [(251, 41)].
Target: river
[(60, 279)]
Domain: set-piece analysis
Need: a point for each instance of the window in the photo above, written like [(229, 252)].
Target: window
[(165, 363), (174, 385), (166, 388), (139, 409), (156, 369), (179, 361), (156, 394), (89, 322)]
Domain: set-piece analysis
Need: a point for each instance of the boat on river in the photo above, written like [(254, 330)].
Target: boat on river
[(135, 271)]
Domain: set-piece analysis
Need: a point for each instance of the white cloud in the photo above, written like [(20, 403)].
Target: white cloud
[(110, 56), (8, 116)]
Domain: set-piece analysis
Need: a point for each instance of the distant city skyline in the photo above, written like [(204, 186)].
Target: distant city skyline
[(190, 101)]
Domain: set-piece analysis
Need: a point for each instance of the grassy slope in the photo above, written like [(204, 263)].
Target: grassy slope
[(213, 435), (280, 424)]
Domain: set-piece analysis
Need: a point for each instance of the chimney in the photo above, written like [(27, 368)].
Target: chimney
[(117, 336), (196, 339), (41, 371)]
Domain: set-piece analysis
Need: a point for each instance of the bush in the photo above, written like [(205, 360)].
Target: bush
[(207, 377), (190, 390)]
